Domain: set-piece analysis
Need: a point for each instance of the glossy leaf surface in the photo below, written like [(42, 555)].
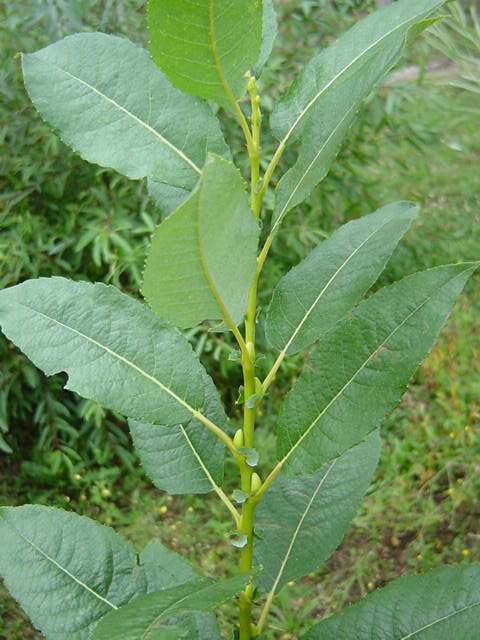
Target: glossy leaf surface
[(111, 104), (359, 371), (439, 605), (301, 521), (318, 292), (206, 45), (321, 104), (202, 260)]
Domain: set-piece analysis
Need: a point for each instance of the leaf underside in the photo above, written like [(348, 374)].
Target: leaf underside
[(203, 257)]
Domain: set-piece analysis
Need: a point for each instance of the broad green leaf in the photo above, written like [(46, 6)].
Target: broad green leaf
[(359, 371), (321, 104), (66, 571), (183, 459), (112, 347), (203, 258), (301, 521), (318, 292), (206, 47), (165, 569), (166, 198), (439, 605), (111, 104), (269, 33), (148, 616)]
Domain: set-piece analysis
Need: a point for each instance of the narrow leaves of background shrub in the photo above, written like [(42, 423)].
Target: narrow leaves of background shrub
[(318, 292), (322, 103), (439, 605), (203, 46), (110, 103), (359, 372), (203, 257), (301, 521)]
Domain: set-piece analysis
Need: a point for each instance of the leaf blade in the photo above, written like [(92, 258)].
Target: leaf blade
[(42, 546), (321, 105), (145, 369), (200, 266), (319, 291), (438, 605), (207, 48), (122, 114), (301, 521), (141, 619), (410, 312)]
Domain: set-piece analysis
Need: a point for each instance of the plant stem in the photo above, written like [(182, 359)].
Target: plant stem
[(248, 365)]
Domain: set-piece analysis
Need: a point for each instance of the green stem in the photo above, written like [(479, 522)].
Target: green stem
[(248, 364)]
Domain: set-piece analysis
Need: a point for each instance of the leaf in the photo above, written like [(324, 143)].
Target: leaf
[(301, 521), (4, 446), (112, 347), (110, 103), (439, 605), (359, 371), (203, 258), (167, 198), (165, 569), (318, 292), (206, 47), (269, 34), (145, 618), (182, 459), (321, 104), (66, 571)]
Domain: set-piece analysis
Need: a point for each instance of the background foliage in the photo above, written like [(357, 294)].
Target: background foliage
[(417, 138)]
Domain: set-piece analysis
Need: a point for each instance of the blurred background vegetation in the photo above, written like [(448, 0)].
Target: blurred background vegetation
[(417, 138)]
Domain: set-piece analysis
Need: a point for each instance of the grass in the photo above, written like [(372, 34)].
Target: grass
[(423, 507)]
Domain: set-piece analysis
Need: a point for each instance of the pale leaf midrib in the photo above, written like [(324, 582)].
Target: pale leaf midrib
[(131, 115), (329, 283), (60, 567), (114, 354), (281, 215), (360, 369), (440, 620), (340, 73), (299, 526)]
